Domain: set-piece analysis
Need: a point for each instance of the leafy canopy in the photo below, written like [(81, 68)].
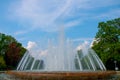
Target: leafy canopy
[(11, 52), (107, 41)]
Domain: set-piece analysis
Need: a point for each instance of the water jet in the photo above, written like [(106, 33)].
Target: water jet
[(62, 57)]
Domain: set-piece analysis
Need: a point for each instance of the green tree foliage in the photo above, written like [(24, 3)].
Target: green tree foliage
[(2, 63), (107, 43), (11, 52)]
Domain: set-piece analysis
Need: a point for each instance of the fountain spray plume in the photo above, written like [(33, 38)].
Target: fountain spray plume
[(62, 57)]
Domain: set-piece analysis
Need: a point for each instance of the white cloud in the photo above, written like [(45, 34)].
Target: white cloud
[(20, 39), (114, 13), (40, 14), (83, 39), (31, 45), (73, 23), (84, 47), (49, 14), (88, 4), (20, 32)]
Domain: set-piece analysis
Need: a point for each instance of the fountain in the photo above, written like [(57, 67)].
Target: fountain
[(62, 62), (62, 57)]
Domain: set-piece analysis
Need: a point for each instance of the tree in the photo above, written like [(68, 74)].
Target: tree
[(107, 43), (11, 51), (12, 55), (2, 63), (5, 40)]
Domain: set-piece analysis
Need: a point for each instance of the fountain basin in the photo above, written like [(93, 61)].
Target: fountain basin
[(63, 75)]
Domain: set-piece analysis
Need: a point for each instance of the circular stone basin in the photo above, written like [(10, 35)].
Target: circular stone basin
[(61, 75)]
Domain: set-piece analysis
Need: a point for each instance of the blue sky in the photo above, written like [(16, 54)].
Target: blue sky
[(40, 20)]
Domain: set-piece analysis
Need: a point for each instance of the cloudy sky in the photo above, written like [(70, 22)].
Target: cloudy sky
[(40, 20)]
